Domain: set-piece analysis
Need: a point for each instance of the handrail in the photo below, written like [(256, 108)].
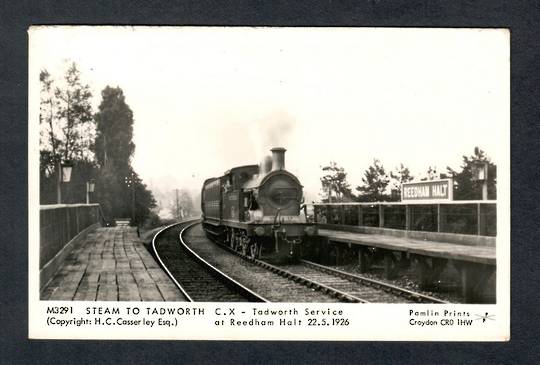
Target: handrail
[(104, 219), (412, 202), (57, 206)]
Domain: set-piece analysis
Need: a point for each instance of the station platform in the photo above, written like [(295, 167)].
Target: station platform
[(476, 264), (451, 251), (111, 264)]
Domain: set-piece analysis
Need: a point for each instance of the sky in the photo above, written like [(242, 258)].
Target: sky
[(206, 99)]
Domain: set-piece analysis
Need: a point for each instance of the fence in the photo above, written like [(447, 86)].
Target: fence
[(460, 217), (59, 224)]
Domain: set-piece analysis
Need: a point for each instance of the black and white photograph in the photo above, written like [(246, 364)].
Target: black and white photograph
[(269, 183)]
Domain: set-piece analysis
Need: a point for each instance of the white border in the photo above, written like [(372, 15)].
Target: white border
[(367, 322)]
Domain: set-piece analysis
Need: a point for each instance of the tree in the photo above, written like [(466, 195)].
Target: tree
[(74, 115), (399, 176), (181, 205), (144, 202), (119, 189), (432, 173), (48, 140), (335, 181), (375, 184), (464, 186), (66, 133), (113, 149), (114, 123)]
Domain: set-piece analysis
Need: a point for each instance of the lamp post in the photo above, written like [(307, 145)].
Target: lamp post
[(176, 212), (130, 182), (479, 171), (64, 175), (90, 186)]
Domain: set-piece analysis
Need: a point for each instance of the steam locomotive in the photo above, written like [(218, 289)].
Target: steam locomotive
[(258, 209)]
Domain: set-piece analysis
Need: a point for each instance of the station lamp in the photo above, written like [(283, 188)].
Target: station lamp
[(64, 175), (479, 170), (67, 167), (90, 186)]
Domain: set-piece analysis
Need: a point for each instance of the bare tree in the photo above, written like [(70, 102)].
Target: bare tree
[(66, 121), (74, 116), (181, 206), (48, 136)]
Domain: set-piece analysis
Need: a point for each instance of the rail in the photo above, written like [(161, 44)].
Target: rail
[(227, 280), (341, 296), (330, 289), (162, 264), (414, 296)]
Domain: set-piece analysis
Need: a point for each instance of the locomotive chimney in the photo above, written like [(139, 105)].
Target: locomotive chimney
[(266, 165), (278, 158)]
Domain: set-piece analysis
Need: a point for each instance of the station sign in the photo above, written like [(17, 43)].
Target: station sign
[(428, 190)]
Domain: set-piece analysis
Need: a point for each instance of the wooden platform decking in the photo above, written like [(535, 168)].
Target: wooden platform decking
[(112, 264), (451, 251)]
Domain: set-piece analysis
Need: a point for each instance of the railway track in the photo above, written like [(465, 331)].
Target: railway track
[(345, 287), (179, 249), (198, 280), (366, 289), (273, 287)]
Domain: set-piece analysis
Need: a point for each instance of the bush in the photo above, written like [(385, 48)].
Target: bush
[(153, 221)]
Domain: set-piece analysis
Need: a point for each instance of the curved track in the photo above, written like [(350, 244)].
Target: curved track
[(211, 279), (197, 279), (273, 287)]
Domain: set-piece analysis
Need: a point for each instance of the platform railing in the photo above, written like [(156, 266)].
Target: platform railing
[(467, 217), (60, 223)]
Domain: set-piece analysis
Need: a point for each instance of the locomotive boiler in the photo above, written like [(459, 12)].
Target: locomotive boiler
[(257, 209)]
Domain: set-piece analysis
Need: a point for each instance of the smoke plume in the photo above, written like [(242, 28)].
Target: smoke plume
[(271, 130)]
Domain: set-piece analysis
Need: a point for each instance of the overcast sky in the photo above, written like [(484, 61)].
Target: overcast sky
[(207, 99)]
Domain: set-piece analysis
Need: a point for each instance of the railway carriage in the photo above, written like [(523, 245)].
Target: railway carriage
[(258, 209)]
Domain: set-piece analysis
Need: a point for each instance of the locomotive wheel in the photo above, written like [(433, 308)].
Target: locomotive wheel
[(232, 240), (244, 242), (254, 250)]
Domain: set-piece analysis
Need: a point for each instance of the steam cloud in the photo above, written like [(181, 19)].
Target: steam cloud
[(272, 130)]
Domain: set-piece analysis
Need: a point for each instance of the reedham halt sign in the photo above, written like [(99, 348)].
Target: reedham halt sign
[(428, 190)]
